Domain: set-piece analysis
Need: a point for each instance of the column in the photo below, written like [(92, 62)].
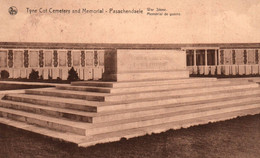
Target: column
[(195, 64), (55, 71), (206, 62), (216, 61), (247, 67), (10, 63), (216, 57), (247, 52), (206, 57), (194, 57)]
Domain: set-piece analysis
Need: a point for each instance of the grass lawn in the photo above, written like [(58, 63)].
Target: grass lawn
[(236, 138)]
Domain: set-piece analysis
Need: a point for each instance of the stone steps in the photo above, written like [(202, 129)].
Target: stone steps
[(91, 106), (91, 96), (135, 132), (113, 115), (98, 128), (63, 136), (67, 103), (49, 111), (96, 112), (94, 96), (170, 92), (141, 88), (141, 83), (44, 121), (85, 141), (188, 99), (118, 125), (164, 109)]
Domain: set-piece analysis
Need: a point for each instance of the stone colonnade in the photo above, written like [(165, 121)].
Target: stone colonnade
[(223, 61), (55, 63), (52, 63)]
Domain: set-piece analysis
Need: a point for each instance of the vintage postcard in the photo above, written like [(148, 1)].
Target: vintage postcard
[(140, 78)]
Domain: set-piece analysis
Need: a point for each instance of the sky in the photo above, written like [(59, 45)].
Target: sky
[(200, 21)]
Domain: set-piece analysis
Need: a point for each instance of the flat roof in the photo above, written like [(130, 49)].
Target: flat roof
[(43, 45)]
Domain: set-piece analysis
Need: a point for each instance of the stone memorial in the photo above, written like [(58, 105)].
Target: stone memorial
[(134, 65)]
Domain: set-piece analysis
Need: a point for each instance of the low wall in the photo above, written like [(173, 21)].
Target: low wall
[(54, 63), (225, 70), (84, 73)]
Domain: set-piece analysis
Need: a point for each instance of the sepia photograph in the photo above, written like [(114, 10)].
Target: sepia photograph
[(130, 79)]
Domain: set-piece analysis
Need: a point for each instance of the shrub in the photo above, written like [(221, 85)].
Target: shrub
[(209, 68), (198, 70), (4, 74), (222, 71), (49, 77), (73, 75), (216, 70), (34, 75)]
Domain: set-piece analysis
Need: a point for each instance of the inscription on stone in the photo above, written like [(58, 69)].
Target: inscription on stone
[(48, 58), (3, 59), (76, 57), (139, 61), (34, 62), (89, 58), (18, 59), (62, 58)]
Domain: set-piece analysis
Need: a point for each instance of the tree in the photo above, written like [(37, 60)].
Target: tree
[(34, 75), (4, 74), (73, 75)]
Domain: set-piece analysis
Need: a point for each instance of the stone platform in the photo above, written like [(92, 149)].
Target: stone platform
[(142, 92), (92, 112)]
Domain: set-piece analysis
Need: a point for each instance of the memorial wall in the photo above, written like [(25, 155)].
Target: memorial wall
[(241, 56), (92, 63), (242, 61), (52, 63)]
